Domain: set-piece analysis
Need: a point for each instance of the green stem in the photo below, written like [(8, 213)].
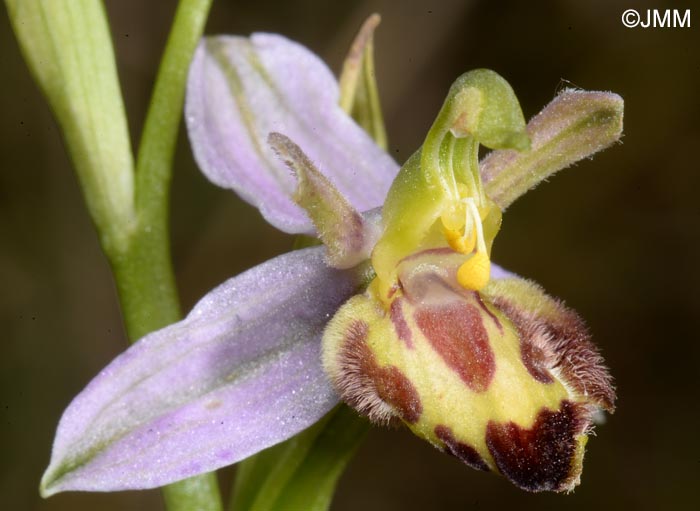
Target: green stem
[(143, 271), (69, 51), (155, 158)]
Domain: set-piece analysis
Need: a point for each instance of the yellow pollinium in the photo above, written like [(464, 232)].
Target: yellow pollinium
[(474, 274), (462, 224)]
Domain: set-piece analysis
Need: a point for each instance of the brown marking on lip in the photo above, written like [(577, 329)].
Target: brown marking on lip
[(464, 452), (481, 303), (541, 458), (561, 341), (382, 393), (394, 388), (399, 321), (535, 360), (456, 332)]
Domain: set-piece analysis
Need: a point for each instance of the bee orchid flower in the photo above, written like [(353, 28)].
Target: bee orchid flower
[(400, 313)]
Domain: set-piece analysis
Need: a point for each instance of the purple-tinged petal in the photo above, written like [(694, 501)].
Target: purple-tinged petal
[(242, 89), (242, 372)]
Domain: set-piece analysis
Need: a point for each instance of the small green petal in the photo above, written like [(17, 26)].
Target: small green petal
[(575, 125), (348, 237)]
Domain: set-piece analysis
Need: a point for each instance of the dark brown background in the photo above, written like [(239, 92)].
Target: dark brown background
[(617, 237)]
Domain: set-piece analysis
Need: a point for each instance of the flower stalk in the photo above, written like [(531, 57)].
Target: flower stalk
[(143, 273), (129, 209)]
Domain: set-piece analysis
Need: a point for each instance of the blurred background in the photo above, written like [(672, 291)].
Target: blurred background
[(616, 237)]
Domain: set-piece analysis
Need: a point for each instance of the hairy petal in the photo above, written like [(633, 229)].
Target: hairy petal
[(241, 373), (575, 125), (348, 236), (242, 89)]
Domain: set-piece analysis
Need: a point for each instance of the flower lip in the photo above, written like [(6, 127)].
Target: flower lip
[(513, 380)]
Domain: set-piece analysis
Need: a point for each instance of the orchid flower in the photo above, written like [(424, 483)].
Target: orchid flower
[(400, 313)]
